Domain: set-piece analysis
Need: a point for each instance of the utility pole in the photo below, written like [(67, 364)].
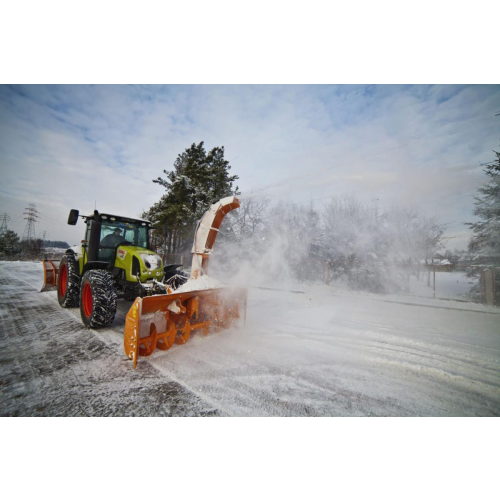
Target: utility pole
[(4, 218), (434, 280), (32, 216)]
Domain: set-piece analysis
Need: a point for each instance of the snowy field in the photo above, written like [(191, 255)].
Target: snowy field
[(315, 351)]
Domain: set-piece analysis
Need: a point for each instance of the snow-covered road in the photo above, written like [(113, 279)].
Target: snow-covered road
[(321, 352)]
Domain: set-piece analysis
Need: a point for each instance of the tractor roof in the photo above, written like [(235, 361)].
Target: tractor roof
[(118, 218)]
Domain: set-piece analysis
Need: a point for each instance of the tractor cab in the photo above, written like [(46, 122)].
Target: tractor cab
[(105, 233), (115, 231)]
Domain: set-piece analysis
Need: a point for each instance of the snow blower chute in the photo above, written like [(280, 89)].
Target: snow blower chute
[(159, 321)]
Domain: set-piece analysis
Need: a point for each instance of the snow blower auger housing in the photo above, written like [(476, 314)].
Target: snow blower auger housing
[(115, 261), (160, 321)]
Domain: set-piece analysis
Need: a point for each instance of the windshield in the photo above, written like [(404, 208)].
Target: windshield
[(114, 233)]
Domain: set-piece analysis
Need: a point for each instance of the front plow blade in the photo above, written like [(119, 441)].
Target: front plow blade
[(159, 321), (50, 273)]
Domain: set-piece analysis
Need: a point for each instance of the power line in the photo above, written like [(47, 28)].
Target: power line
[(32, 216), (4, 218), (43, 218), (350, 192)]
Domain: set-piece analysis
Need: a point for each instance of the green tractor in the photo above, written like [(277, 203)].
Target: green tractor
[(114, 261)]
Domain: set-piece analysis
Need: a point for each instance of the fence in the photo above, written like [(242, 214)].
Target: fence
[(481, 286), (444, 284)]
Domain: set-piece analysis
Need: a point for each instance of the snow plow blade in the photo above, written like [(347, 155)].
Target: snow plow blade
[(159, 321), (50, 273)]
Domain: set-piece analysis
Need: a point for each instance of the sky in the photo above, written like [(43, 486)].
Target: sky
[(80, 146)]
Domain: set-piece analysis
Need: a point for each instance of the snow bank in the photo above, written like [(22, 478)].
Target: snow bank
[(202, 283)]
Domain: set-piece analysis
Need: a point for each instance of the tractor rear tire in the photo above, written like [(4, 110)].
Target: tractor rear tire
[(68, 282), (97, 299)]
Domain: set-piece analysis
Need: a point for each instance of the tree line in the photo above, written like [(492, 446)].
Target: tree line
[(346, 240), (11, 245)]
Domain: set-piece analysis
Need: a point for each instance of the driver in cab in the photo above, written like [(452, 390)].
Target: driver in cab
[(111, 240)]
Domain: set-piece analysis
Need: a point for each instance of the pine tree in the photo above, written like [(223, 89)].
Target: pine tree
[(485, 243), (197, 180), (9, 243)]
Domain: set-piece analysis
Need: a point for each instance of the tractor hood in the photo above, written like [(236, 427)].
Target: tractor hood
[(151, 265), (124, 249)]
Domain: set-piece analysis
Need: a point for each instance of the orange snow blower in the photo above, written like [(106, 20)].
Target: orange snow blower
[(159, 321)]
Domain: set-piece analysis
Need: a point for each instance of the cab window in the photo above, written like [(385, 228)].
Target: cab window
[(129, 232)]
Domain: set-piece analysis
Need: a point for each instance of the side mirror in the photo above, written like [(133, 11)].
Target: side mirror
[(73, 217)]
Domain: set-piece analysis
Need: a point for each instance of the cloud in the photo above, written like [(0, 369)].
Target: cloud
[(65, 147)]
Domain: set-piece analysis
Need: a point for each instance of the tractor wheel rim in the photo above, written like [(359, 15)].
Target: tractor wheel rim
[(63, 281), (87, 300)]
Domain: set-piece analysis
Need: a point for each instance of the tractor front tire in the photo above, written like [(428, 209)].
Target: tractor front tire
[(68, 282), (97, 299)]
